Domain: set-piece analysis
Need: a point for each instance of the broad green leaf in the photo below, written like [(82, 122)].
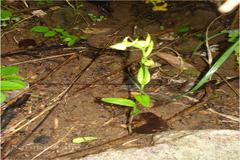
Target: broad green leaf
[(149, 49), (5, 15), (135, 111), (10, 85), (215, 66), (59, 30), (12, 77), (18, 81), (71, 42), (120, 101), (144, 100), (143, 75), (40, 29), (3, 96), (83, 139), (183, 29), (67, 39), (50, 34), (8, 70), (65, 34)]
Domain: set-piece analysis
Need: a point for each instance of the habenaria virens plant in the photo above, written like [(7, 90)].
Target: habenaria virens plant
[(143, 77)]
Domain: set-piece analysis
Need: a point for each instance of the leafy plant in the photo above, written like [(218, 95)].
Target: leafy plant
[(65, 36), (10, 80), (96, 18), (233, 37), (143, 77), (7, 17)]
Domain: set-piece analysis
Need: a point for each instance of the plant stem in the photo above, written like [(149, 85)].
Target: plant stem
[(130, 119)]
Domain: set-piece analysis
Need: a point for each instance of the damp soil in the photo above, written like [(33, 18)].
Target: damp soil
[(102, 73)]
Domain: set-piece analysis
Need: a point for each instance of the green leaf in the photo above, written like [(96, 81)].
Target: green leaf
[(143, 75), (67, 39), (59, 30), (12, 77), (183, 29), (50, 34), (149, 49), (215, 66), (71, 42), (135, 111), (148, 39), (40, 29), (65, 34), (83, 139), (11, 85), (120, 101), (8, 70), (3, 97), (5, 15), (144, 100), (233, 35)]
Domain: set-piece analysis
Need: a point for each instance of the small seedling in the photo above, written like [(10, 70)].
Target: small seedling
[(10, 81), (143, 77), (7, 17), (95, 18), (65, 36)]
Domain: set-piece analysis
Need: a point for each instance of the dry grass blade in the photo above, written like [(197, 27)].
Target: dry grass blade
[(207, 40)]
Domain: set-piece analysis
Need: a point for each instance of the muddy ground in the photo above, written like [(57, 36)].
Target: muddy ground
[(99, 72)]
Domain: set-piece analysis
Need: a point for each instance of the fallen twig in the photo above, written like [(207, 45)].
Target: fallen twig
[(233, 118)]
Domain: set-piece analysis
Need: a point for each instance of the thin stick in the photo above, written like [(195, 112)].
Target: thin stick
[(233, 118), (41, 59), (54, 144)]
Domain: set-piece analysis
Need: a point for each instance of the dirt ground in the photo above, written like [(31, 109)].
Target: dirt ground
[(99, 72)]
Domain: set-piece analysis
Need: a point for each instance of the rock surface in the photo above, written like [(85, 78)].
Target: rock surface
[(182, 145)]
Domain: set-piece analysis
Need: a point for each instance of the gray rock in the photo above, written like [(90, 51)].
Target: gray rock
[(182, 145)]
